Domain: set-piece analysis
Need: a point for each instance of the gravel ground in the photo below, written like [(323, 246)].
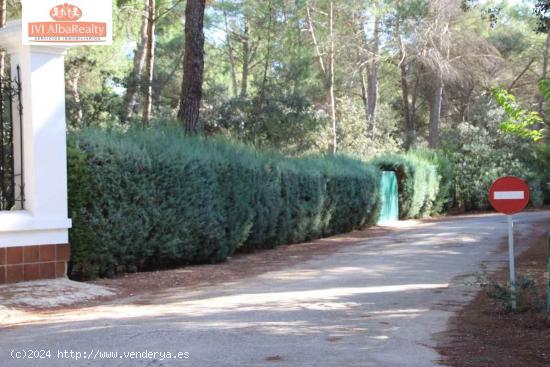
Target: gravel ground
[(384, 301)]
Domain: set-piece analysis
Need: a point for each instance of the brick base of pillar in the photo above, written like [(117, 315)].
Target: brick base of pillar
[(26, 263)]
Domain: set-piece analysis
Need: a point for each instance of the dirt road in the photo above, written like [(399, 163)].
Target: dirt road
[(379, 303)]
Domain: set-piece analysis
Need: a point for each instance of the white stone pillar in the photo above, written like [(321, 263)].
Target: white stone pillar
[(44, 218)]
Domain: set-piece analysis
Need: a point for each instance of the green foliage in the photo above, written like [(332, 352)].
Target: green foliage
[(541, 165), (544, 88), (521, 122), (527, 295), (153, 199), (542, 10), (419, 183), (477, 170), (356, 135), (80, 192), (284, 121), (298, 200), (445, 174), (477, 163)]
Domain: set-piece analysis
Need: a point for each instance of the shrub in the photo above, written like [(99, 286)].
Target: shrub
[(446, 178), (536, 194), (476, 171), (153, 199), (418, 183), (542, 166), (527, 295), (480, 156)]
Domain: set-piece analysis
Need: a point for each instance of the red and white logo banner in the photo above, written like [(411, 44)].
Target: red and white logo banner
[(76, 22)]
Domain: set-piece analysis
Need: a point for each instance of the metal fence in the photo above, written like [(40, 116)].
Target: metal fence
[(12, 196)]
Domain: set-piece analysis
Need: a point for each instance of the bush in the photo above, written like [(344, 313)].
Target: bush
[(446, 178), (542, 166), (536, 194), (477, 170), (418, 183), (153, 199), (527, 295), (480, 157)]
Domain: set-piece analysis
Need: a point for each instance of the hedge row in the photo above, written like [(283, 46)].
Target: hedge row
[(432, 182), (424, 182), (156, 199)]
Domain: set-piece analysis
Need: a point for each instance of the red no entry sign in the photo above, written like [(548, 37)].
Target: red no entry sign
[(509, 195)]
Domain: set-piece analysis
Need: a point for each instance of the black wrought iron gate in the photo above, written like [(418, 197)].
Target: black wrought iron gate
[(11, 143)]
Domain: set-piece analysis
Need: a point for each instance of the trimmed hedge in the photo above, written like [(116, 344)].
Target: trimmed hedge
[(154, 199), (419, 184), (464, 182), (445, 169)]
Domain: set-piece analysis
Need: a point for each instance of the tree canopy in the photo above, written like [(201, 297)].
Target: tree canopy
[(316, 75)]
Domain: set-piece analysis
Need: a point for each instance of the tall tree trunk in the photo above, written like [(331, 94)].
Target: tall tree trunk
[(327, 72), (267, 62), (318, 54), (193, 65), (330, 66), (372, 73), (414, 98), (246, 60), (299, 36), (74, 79), (365, 95), (149, 62), (369, 87), (435, 112), (544, 70), (466, 106), (410, 131), (440, 41), (130, 100), (3, 11), (3, 18), (231, 54)]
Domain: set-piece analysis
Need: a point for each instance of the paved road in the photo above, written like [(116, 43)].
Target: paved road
[(380, 303)]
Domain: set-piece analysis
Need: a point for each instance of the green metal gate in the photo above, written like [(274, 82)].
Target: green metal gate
[(389, 207)]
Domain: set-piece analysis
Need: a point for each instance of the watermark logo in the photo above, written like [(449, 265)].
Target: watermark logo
[(80, 22), (66, 13)]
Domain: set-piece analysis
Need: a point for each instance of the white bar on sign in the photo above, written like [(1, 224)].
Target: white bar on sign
[(509, 195)]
